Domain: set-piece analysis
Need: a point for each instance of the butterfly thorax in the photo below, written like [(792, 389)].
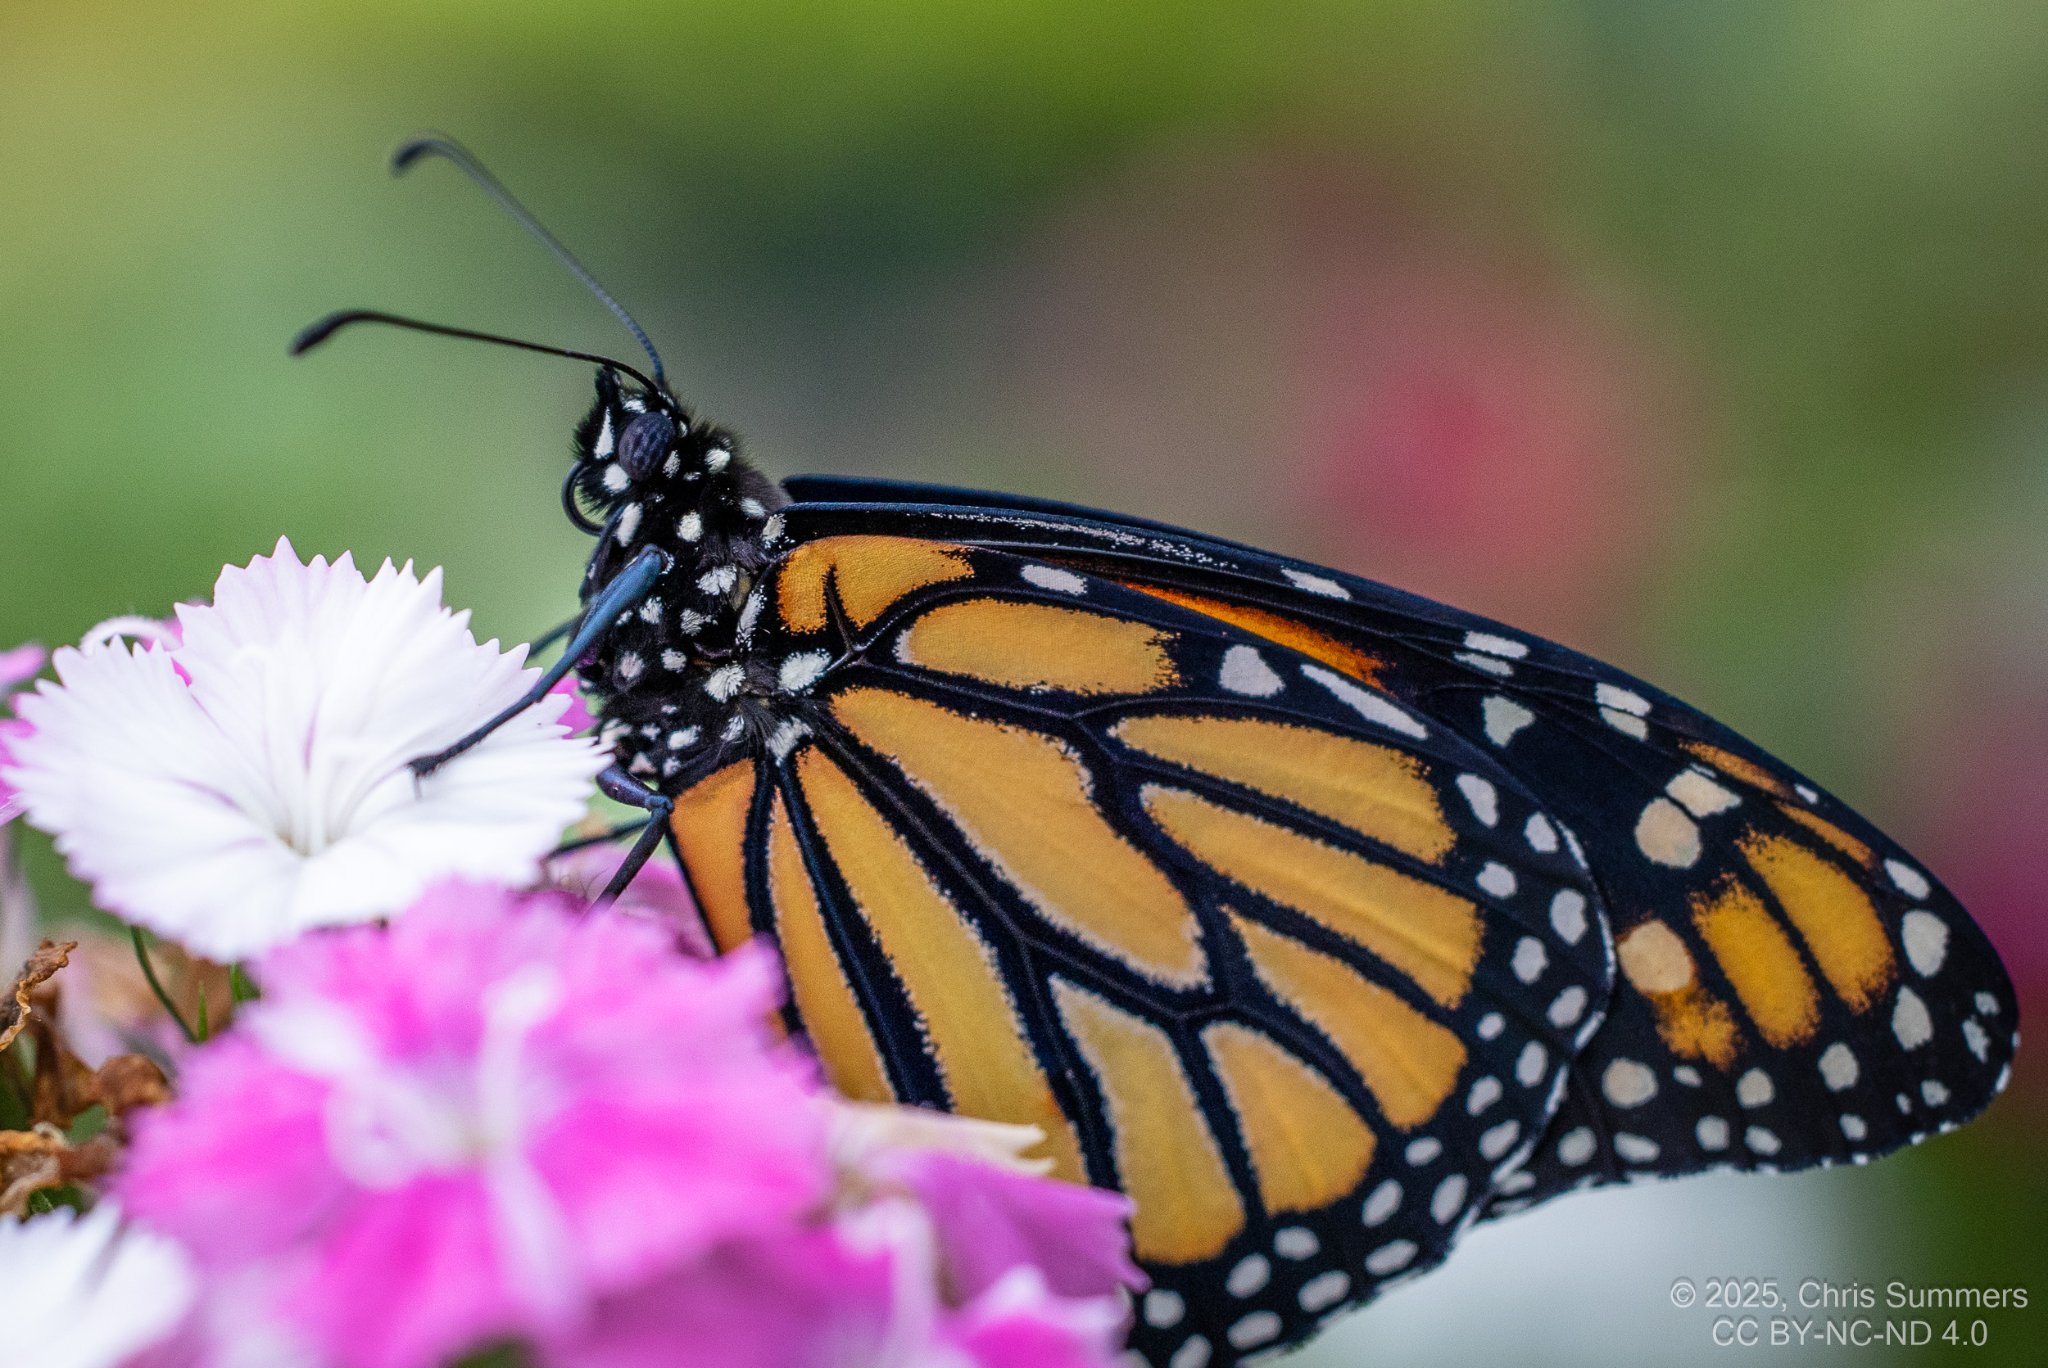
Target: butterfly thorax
[(675, 682)]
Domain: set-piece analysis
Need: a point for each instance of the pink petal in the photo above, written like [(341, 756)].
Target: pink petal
[(409, 1281), (991, 1220), (1019, 1323), (803, 1300), (577, 718), (11, 729), (20, 664)]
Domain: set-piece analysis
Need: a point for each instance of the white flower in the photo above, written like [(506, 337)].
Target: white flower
[(248, 781), (82, 1292)]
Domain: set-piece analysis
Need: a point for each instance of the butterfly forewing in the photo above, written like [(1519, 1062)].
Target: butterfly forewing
[(1293, 966)]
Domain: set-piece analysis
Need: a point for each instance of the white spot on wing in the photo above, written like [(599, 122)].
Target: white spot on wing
[(1627, 1083), (1627, 723), (1712, 1133), (1384, 1202), (1324, 1290), (1910, 881), (1910, 1022), (1975, 1037), (1540, 834), (1254, 1330), (1637, 1149), (1316, 584), (1251, 1274), (1367, 704), (1496, 645), (1492, 665), (1530, 959), (1482, 798), (1621, 700), (1666, 836), (1576, 1147), (1497, 879), (1504, 717), (1838, 1067), (1053, 578), (1568, 915), (1164, 1309), (1296, 1242), (1701, 796), (1754, 1089), (1390, 1257), (1926, 939), (1498, 1140), (1449, 1199), (1567, 1007), (1246, 672)]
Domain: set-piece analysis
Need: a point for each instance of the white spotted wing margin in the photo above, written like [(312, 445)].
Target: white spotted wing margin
[(1288, 1267)]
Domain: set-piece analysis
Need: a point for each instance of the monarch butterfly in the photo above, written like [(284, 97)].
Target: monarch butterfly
[(1320, 918)]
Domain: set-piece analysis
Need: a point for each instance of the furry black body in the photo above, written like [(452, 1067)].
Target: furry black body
[(682, 683)]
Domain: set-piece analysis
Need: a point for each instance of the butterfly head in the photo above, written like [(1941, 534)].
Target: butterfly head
[(632, 436)]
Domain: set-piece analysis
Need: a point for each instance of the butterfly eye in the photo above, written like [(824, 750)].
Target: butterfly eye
[(646, 440)]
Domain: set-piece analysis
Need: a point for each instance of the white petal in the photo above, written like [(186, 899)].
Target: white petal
[(83, 1292)]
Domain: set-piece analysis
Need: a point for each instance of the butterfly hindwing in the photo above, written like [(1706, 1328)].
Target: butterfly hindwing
[(1793, 987), (1297, 969)]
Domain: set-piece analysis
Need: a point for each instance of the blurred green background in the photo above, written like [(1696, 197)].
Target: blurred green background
[(1711, 339)]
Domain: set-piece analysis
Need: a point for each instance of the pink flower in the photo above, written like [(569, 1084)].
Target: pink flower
[(479, 1121), (17, 666)]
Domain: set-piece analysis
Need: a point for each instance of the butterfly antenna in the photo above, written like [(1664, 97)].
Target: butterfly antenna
[(314, 334), (437, 145)]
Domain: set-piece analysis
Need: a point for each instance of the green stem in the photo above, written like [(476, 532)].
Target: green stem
[(156, 986)]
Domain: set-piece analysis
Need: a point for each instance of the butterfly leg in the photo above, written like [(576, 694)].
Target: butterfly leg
[(601, 838), (622, 787), (619, 598)]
